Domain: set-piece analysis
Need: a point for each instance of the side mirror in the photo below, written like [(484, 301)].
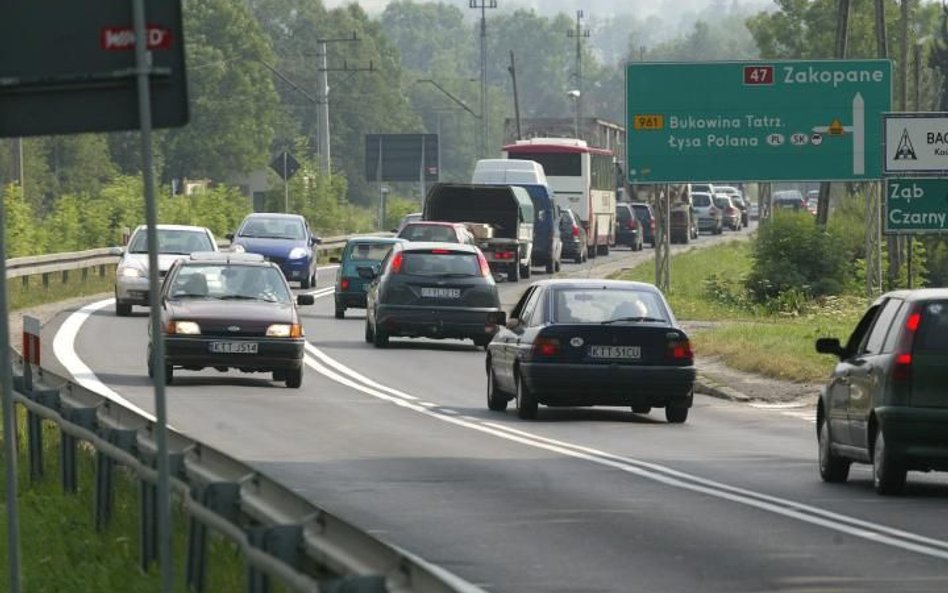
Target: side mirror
[(305, 299), (335, 259), (314, 240), (229, 237), (367, 273), (497, 318), (829, 346), (118, 251), (394, 231), (513, 324)]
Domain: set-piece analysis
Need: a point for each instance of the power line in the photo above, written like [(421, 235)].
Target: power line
[(579, 34), (483, 5)]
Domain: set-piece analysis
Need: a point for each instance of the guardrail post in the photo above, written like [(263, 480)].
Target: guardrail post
[(221, 498), (46, 281), (280, 541), (148, 499), (48, 398), (81, 416), (104, 469)]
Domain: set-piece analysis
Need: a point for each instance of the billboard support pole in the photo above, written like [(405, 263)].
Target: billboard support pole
[(378, 177), (143, 69)]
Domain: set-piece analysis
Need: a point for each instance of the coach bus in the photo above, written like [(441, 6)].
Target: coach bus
[(583, 179)]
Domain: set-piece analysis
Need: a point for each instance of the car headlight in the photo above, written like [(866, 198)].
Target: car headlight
[(238, 248), (298, 253), (284, 330), (187, 328), (130, 272)]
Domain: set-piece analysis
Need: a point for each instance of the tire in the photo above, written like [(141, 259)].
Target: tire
[(525, 271), (305, 283), (369, 334), (641, 409), (150, 365), (340, 312), (379, 338), (482, 342), (833, 468), (602, 249), (579, 258), (294, 378), (557, 265), (585, 255), (279, 375), (888, 475), (550, 265), (686, 238), (513, 273), (496, 400), (169, 374), (526, 402), (122, 309), (676, 413)]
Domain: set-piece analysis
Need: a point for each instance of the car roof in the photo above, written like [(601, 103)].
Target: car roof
[(646, 204), (595, 283), (175, 227), (434, 223), (918, 294), (429, 245), (274, 215), (373, 239), (226, 257)]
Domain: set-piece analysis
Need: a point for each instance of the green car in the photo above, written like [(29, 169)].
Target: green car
[(358, 252), (886, 403)]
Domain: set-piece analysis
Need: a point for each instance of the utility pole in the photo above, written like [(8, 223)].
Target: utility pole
[(842, 39), (16, 152), (874, 198), (322, 94), (579, 34), (513, 75), (483, 5)]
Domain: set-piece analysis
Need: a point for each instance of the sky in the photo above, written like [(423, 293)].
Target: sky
[(600, 7)]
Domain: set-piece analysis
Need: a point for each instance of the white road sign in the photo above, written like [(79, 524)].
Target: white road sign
[(915, 143)]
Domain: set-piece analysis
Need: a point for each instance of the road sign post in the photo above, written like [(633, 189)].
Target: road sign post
[(756, 121)]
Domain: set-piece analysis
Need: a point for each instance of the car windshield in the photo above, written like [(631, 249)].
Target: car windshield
[(369, 252), (427, 263), (701, 200), (173, 241), (273, 228), (603, 304), (230, 282), (722, 202), (437, 233)]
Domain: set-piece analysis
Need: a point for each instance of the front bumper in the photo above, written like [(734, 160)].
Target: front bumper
[(131, 290), (193, 352), (435, 322), (295, 269), (556, 384), (917, 436)]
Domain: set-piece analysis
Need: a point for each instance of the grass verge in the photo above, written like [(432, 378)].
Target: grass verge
[(22, 296), (746, 336), (61, 551)]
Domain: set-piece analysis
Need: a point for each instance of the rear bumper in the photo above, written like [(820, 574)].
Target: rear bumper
[(918, 436), (707, 224), (608, 384), (194, 352), (627, 237), (435, 322), (353, 299)]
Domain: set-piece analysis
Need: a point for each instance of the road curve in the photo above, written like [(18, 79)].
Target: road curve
[(400, 441)]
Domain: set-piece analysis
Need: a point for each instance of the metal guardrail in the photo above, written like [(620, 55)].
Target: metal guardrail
[(281, 535), (44, 265)]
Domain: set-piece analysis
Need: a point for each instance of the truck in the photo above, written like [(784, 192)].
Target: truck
[(499, 216), (547, 244)]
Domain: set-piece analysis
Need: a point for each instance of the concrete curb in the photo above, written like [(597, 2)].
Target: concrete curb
[(708, 386)]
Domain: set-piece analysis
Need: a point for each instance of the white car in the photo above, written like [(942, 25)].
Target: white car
[(131, 275)]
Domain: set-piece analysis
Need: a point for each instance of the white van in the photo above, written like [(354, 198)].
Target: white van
[(509, 172)]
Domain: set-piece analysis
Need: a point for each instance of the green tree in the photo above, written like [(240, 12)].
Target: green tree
[(23, 236), (233, 101)]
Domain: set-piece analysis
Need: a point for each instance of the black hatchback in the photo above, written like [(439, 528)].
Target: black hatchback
[(591, 343), (433, 290)]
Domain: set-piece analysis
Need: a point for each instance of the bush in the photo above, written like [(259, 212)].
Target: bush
[(793, 255)]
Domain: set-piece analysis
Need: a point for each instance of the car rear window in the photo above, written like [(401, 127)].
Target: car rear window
[(641, 211), (173, 241), (596, 305), (440, 263), (429, 232), (701, 200), (721, 202), (369, 251), (623, 213), (933, 330)]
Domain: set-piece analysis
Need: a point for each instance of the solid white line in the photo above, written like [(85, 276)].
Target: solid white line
[(64, 348), (668, 476), (341, 368)]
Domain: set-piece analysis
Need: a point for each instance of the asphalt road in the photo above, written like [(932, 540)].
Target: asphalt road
[(400, 442)]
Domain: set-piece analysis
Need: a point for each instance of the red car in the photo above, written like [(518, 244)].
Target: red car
[(437, 232)]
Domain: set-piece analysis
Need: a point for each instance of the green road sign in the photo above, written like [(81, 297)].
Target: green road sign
[(916, 206), (756, 121)]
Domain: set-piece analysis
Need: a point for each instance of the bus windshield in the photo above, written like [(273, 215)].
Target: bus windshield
[(555, 164)]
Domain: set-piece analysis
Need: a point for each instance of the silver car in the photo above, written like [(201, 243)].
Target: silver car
[(710, 218), (131, 275)]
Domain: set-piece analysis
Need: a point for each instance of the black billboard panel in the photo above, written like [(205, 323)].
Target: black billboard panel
[(69, 67), (399, 157)]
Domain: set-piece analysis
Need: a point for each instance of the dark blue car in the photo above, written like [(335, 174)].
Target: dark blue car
[(358, 252), (284, 239)]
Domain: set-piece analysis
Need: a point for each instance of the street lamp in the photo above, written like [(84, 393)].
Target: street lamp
[(574, 95)]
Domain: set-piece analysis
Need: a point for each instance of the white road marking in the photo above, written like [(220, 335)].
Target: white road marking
[(64, 348), (787, 508)]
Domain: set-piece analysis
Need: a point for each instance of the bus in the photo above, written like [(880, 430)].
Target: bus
[(582, 178)]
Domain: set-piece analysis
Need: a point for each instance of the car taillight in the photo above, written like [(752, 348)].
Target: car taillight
[(575, 231), (397, 261), (652, 224), (630, 224), (440, 252), (344, 284), (680, 351), (504, 254), (546, 346), (485, 267), (902, 369)]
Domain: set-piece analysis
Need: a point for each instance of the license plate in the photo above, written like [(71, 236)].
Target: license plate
[(441, 293), (616, 352), (234, 347)]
